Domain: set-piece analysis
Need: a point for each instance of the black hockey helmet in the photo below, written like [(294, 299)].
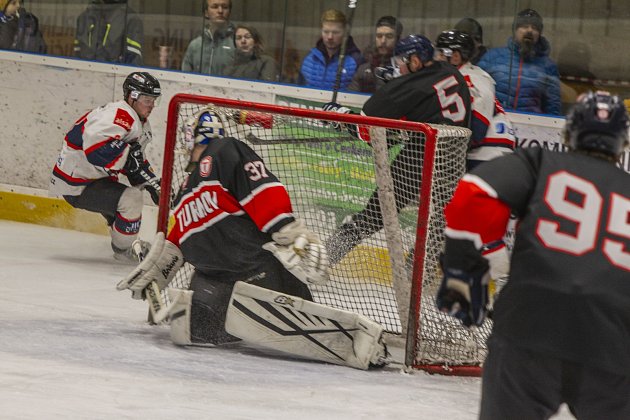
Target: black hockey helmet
[(454, 40), (598, 123), (141, 83), (419, 45)]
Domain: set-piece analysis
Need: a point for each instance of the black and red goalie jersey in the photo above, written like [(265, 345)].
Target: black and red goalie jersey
[(228, 208), (569, 289)]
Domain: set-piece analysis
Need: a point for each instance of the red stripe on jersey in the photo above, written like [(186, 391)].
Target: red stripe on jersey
[(478, 115), (70, 145), (103, 143), (499, 140), (266, 203), (472, 209), (70, 179), (204, 206)]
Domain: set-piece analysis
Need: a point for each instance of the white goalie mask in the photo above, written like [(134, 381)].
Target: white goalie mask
[(204, 126)]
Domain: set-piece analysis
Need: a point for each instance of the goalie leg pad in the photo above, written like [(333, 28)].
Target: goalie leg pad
[(179, 314), (295, 326)]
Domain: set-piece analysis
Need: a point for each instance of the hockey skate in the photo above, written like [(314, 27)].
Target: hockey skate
[(134, 254)]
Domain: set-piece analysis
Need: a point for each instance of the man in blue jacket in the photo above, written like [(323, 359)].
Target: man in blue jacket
[(526, 78), (319, 68)]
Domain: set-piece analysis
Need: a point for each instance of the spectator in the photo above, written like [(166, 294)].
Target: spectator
[(19, 29), (212, 51), (527, 79), (109, 30), (319, 68), (249, 60), (473, 28), (388, 32)]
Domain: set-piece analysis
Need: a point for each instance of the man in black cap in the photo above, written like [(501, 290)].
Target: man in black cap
[(473, 28), (527, 79), (388, 32)]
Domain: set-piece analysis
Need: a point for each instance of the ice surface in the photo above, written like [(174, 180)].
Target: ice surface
[(72, 347)]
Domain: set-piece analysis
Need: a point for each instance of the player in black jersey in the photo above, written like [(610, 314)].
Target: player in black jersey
[(234, 223), (425, 91), (562, 323)]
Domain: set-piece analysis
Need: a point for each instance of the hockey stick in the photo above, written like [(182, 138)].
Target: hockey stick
[(352, 5), (158, 311)]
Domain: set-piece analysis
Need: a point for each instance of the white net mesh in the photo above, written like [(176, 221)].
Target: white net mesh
[(330, 176)]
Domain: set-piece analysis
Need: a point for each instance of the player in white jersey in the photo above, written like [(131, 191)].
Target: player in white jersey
[(492, 133), (103, 144)]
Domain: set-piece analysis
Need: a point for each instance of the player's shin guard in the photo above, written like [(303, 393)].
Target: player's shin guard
[(179, 314), (302, 328)]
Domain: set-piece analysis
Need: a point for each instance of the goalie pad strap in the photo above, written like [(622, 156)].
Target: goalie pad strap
[(179, 314), (299, 327)]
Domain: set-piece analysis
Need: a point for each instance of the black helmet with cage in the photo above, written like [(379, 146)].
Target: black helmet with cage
[(598, 124)]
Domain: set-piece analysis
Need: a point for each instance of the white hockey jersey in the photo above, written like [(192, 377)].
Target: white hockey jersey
[(492, 132), (97, 147)]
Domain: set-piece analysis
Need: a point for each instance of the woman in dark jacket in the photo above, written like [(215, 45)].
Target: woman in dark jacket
[(19, 29), (249, 60)]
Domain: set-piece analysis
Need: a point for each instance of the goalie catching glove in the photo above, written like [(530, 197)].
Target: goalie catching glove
[(464, 294), (160, 266), (300, 252)]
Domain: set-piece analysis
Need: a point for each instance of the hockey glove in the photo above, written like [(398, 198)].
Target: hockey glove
[(160, 265), (335, 107), (464, 295), (135, 159), (300, 252), (386, 73), (139, 172), (289, 233)]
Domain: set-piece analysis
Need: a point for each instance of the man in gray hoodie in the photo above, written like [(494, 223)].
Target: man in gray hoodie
[(214, 49)]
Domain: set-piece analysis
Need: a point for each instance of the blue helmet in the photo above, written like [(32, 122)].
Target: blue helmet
[(419, 45), (599, 123)]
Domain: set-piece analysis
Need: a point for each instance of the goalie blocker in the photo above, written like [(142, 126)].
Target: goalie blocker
[(291, 325)]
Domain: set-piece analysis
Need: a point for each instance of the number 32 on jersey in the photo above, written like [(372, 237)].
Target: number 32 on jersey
[(585, 213)]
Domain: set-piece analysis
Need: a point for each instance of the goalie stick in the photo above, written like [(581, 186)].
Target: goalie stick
[(352, 5), (158, 311)]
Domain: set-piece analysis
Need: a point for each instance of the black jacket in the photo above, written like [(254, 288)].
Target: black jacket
[(111, 33), (21, 33)]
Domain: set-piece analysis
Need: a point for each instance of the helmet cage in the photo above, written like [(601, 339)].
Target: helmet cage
[(598, 123)]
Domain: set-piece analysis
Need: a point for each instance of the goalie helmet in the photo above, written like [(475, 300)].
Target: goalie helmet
[(453, 40), (208, 126), (598, 123), (141, 83), (419, 45)]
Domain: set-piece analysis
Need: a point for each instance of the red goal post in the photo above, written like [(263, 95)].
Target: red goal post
[(390, 275)]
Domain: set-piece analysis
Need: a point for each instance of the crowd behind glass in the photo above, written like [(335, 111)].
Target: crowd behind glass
[(527, 78)]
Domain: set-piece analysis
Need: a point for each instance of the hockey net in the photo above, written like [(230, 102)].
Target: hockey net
[(391, 275)]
